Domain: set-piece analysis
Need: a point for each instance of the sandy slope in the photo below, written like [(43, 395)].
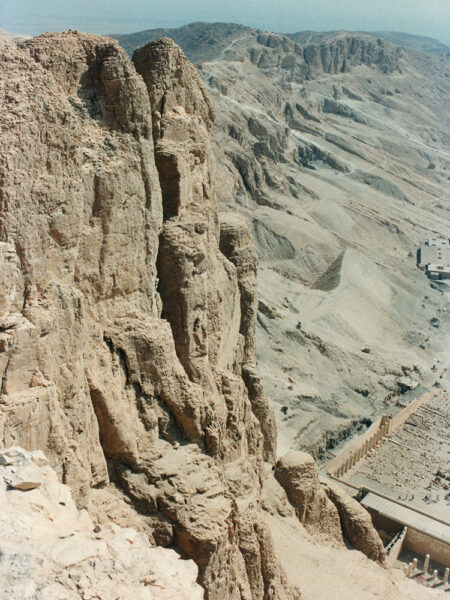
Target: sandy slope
[(322, 571)]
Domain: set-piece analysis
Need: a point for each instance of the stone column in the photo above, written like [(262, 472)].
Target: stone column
[(446, 572), (387, 424), (426, 563)]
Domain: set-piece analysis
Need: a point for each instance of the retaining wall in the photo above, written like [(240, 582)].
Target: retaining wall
[(357, 450)]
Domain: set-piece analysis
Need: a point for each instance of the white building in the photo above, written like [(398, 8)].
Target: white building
[(438, 271), (434, 258)]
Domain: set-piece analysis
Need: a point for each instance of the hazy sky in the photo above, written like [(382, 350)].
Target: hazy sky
[(425, 17)]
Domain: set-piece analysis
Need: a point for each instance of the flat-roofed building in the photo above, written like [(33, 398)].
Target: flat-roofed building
[(438, 271), (425, 534), (434, 258)]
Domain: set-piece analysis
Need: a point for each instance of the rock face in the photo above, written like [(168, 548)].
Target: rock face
[(331, 56), (50, 550), (127, 323), (356, 523), (212, 329), (297, 473)]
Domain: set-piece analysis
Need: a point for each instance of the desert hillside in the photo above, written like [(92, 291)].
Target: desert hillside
[(335, 148)]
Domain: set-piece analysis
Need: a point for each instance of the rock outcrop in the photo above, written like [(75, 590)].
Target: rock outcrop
[(324, 509), (50, 550), (298, 474), (356, 523), (336, 55), (127, 331)]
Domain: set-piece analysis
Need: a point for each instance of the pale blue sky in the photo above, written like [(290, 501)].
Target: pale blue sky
[(425, 17)]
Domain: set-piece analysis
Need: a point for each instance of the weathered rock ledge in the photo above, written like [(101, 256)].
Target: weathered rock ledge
[(326, 510)]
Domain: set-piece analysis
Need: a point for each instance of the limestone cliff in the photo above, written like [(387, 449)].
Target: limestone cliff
[(127, 326), (337, 55)]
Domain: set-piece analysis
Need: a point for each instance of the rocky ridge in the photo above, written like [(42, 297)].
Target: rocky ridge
[(304, 53)]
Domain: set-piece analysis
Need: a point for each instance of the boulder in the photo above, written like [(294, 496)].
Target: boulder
[(24, 478), (51, 551), (356, 523), (298, 474)]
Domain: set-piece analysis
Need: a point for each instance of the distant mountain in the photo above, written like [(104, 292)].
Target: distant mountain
[(407, 40), (207, 41), (200, 41)]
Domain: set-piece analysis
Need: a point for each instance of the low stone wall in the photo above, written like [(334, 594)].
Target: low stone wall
[(403, 415), (357, 450)]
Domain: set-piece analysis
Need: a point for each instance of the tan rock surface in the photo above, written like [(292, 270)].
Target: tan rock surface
[(325, 510), (298, 474)]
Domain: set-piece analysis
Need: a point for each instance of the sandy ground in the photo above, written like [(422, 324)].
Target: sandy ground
[(338, 574)]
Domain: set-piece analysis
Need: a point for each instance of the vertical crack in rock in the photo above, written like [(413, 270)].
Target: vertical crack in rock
[(237, 245)]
